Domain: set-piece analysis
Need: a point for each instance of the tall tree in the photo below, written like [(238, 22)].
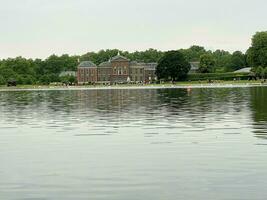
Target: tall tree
[(260, 72), (222, 60), (238, 61), (173, 65), (207, 63), (193, 53), (257, 53)]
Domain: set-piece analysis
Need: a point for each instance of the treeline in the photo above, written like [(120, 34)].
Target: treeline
[(38, 71), (222, 61), (29, 71)]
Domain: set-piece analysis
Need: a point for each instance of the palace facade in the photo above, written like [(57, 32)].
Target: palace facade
[(119, 69)]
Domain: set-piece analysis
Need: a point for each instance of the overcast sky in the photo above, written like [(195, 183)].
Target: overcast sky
[(39, 28)]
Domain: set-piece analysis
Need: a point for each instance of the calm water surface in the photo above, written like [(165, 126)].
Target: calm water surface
[(164, 144)]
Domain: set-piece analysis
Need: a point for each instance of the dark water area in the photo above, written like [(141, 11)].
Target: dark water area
[(158, 144)]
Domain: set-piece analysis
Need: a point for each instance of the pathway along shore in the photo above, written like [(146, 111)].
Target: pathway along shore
[(131, 87)]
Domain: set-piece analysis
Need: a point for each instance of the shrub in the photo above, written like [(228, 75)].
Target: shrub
[(2, 80), (218, 76)]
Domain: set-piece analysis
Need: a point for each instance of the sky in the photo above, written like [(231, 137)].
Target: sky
[(39, 28)]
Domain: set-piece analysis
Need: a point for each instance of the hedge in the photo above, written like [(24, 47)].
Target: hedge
[(218, 76)]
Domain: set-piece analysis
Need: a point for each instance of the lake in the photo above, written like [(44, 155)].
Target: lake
[(151, 144)]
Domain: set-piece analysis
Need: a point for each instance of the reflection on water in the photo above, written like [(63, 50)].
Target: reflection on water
[(134, 144), (259, 110)]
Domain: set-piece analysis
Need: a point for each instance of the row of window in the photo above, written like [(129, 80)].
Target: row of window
[(87, 79), (120, 70), (116, 71), (137, 71), (137, 78), (86, 72), (86, 75), (107, 78)]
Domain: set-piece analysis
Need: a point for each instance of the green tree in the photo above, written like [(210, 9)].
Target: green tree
[(150, 55), (68, 79), (7, 72), (53, 65), (238, 61), (72, 80), (257, 53), (99, 57), (29, 80), (20, 69), (44, 80), (193, 53), (265, 72), (259, 72), (2, 80), (173, 65), (207, 63), (222, 60)]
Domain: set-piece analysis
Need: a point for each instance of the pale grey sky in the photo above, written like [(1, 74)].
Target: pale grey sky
[(39, 28)]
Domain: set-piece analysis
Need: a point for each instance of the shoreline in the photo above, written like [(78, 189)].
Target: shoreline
[(134, 87)]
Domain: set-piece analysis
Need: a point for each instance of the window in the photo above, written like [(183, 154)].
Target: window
[(115, 70), (120, 71)]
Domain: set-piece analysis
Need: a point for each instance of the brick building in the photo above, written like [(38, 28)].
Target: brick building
[(87, 72), (119, 69)]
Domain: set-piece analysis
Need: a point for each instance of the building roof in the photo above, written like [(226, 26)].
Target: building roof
[(244, 70), (67, 73), (87, 64), (194, 66), (151, 66), (119, 58), (136, 64), (146, 66), (132, 63), (105, 64)]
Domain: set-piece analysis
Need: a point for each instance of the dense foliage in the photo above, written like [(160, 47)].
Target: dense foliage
[(29, 71), (207, 63), (257, 54), (194, 53), (173, 66)]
